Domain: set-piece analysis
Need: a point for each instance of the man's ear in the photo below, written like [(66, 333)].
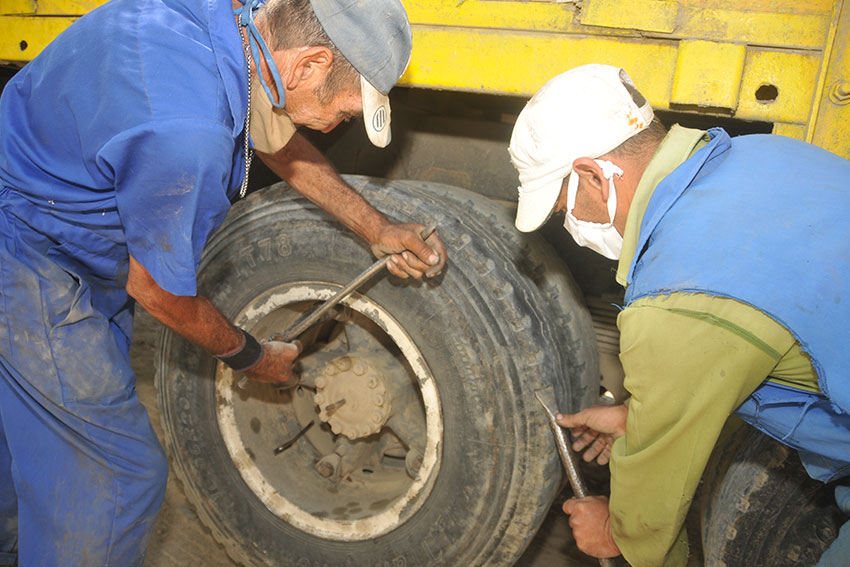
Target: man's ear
[(591, 175), (310, 67)]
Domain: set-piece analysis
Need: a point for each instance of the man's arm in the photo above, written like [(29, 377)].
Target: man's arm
[(198, 320), (689, 361), (301, 165)]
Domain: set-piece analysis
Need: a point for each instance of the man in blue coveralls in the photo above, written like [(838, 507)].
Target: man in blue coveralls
[(122, 146), (735, 256)]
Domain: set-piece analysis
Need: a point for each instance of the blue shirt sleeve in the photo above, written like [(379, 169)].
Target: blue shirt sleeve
[(171, 190)]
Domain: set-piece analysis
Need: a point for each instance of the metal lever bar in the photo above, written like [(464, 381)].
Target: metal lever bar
[(308, 321), (367, 274), (570, 462)]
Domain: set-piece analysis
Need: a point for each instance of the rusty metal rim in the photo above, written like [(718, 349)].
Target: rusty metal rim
[(342, 530)]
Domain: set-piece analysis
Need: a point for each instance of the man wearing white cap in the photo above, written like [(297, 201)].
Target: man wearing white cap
[(122, 146), (734, 255)]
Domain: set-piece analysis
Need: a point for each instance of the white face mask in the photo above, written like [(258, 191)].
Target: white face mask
[(599, 237)]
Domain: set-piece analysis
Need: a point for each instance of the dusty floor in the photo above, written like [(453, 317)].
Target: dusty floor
[(181, 541)]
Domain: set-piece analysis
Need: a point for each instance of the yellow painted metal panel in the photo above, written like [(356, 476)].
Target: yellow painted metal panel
[(68, 7), (735, 23), (778, 86), (23, 37), (757, 28), (644, 15), (796, 131), (830, 127), (493, 61), (49, 7), (17, 7), (538, 16), (778, 6), (708, 74)]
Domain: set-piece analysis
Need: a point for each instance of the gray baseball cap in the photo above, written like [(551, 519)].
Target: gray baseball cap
[(374, 36)]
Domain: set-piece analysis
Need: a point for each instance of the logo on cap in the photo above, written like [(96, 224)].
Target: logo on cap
[(379, 118)]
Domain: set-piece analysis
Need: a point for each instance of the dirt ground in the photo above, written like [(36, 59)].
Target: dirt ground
[(180, 540)]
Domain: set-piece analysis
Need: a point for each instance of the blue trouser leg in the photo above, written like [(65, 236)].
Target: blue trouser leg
[(8, 505), (88, 471)]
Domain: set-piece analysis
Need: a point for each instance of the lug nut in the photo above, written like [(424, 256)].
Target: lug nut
[(377, 417), (359, 369), (373, 382)]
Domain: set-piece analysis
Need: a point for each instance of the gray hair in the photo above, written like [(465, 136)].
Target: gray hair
[(293, 23)]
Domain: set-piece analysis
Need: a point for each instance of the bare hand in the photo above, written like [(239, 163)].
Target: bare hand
[(591, 525), (596, 428), (276, 363), (411, 256)]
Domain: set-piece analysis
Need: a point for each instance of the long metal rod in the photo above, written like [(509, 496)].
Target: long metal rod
[(367, 274), (570, 462), (311, 319), (568, 456)]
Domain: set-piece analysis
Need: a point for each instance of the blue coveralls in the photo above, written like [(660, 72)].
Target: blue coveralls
[(763, 219), (123, 137)]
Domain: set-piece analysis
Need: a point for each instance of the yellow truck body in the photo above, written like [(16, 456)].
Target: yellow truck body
[(780, 61)]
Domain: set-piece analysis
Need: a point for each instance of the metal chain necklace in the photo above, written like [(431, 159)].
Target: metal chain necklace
[(249, 151)]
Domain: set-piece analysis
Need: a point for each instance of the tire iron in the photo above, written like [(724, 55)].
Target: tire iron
[(314, 317), (568, 458)]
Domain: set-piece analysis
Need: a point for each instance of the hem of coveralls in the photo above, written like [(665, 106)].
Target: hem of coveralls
[(8, 559)]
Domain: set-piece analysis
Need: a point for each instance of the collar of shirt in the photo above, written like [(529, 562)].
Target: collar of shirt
[(677, 146)]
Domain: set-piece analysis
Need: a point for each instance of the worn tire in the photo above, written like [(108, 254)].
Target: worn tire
[(760, 508), (494, 328)]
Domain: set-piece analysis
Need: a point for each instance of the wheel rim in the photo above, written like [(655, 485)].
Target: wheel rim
[(325, 483)]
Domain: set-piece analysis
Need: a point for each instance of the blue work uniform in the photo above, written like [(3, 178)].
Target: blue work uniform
[(762, 219), (123, 137)]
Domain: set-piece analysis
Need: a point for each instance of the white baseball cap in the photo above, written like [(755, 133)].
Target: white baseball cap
[(584, 112)]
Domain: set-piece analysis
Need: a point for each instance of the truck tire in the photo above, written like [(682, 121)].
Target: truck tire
[(447, 459), (760, 508)]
